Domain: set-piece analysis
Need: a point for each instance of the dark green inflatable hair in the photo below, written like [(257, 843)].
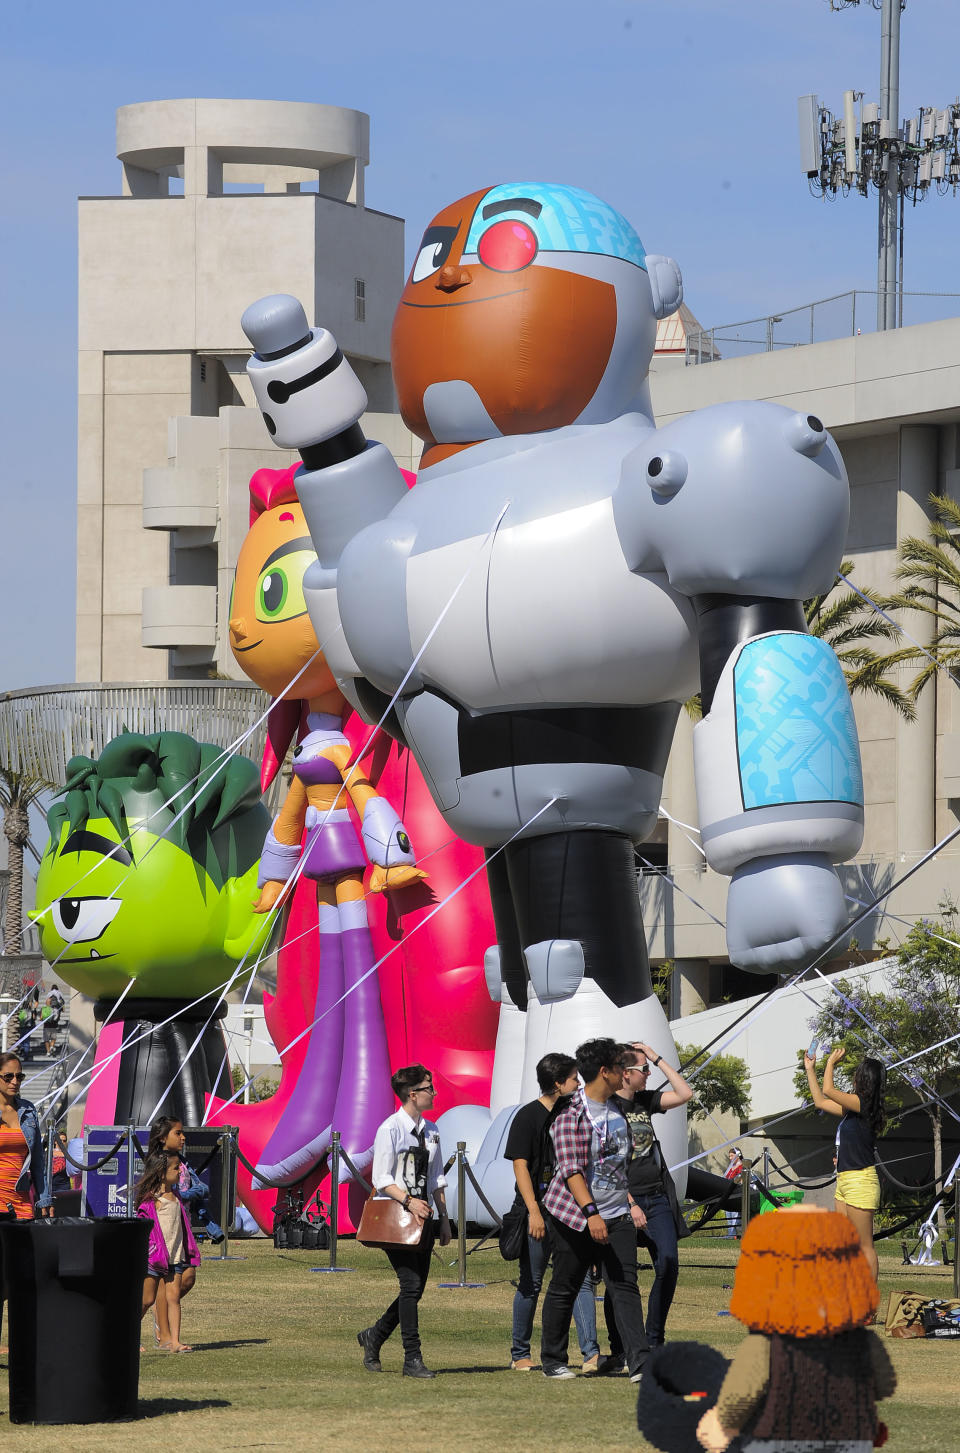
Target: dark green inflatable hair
[(222, 829)]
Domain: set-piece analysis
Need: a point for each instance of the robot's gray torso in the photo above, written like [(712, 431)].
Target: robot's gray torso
[(538, 609)]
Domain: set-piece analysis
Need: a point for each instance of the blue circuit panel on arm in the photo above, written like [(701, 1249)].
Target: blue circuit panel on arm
[(796, 734)]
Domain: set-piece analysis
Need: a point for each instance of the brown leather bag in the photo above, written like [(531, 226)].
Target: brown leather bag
[(384, 1222)]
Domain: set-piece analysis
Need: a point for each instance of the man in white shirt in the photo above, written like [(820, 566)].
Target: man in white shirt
[(408, 1167)]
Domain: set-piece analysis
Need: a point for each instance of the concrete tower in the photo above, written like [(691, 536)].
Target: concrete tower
[(222, 202)]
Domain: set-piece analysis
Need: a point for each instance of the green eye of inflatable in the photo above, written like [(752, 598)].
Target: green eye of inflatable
[(272, 592), (280, 588)]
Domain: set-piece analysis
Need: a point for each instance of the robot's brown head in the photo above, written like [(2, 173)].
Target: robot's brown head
[(528, 307)]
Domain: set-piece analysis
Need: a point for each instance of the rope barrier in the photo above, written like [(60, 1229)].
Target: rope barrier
[(215, 1151), (803, 1185), (498, 1220), (88, 1165), (902, 1185), (360, 1179), (271, 1185), (911, 1220)]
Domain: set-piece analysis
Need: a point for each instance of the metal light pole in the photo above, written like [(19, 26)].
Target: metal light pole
[(887, 270)]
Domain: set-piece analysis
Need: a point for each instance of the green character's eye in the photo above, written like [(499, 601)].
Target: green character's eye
[(272, 591), (280, 588), (79, 919)]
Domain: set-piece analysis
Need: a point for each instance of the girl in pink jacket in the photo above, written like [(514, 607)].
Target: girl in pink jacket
[(173, 1246)]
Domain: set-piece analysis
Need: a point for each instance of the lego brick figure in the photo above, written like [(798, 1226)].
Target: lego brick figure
[(809, 1375)]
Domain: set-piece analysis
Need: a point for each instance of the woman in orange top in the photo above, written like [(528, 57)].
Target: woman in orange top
[(21, 1151)]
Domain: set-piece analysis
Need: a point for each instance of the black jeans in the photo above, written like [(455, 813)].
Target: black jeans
[(659, 1237), (412, 1265), (573, 1253)]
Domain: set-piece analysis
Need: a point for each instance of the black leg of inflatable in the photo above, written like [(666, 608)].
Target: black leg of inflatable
[(512, 966), (582, 885), (155, 1063)]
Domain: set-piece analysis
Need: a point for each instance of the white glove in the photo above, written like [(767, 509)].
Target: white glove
[(385, 839)]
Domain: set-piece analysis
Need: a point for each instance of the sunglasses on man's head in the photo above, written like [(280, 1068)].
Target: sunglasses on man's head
[(17, 1076)]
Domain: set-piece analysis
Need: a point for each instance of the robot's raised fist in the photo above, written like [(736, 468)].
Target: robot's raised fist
[(782, 912), (306, 389)]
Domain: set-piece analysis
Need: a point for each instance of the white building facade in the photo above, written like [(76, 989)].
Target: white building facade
[(222, 202)]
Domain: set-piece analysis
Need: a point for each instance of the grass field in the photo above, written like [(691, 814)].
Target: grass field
[(277, 1366)]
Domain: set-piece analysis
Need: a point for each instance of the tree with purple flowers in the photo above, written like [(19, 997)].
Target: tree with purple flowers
[(912, 1024)]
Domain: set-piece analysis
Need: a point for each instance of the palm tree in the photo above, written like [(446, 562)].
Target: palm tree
[(19, 789), (930, 572), (850, 621)]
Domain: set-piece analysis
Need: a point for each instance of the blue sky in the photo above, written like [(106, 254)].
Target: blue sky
[(682, 113)]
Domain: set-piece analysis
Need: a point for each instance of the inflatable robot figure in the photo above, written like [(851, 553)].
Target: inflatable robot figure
[(560, 579)]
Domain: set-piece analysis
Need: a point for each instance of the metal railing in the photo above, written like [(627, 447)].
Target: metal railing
[(845, 315), (45, 726)]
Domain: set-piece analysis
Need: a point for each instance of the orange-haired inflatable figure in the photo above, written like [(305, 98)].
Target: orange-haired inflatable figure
[(314, 835)]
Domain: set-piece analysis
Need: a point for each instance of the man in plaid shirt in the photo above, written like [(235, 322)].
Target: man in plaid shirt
[(588, 1207)]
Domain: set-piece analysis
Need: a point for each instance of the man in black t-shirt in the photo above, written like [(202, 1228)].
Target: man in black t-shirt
[(556, 1076), (653, 1200)]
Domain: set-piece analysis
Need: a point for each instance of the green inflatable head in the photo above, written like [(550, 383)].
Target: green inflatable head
[(150, 873)]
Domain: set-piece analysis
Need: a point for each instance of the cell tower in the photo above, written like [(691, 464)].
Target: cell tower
[(899, 160)]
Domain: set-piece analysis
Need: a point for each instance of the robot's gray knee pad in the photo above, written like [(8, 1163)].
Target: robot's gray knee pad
[(556, 967)]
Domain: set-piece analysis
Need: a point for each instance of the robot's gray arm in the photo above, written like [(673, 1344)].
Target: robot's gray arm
[(312, 401)]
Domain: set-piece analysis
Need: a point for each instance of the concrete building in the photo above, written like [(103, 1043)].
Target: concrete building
[(221, 202)]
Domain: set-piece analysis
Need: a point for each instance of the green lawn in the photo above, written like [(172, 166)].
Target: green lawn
[(277, 1366)]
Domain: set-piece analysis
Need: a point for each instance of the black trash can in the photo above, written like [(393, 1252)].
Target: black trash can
[(74, 1293)]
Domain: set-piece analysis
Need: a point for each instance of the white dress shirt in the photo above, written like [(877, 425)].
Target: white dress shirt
[(393, 1149)]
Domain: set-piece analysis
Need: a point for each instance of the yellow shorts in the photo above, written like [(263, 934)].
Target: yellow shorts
[(859, 1189)]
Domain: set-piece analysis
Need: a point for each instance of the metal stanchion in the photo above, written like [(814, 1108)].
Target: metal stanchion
[(131, 1174), (334, 1205), (51, 1137), (227, 1145), (765, 1173), (462, 1284), (956, 1232)]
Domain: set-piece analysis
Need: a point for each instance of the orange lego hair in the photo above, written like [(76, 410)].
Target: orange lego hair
[(802, 1274)]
